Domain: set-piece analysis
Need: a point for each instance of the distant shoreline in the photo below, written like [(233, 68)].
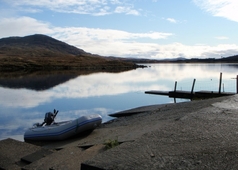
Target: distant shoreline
[(72, 63)]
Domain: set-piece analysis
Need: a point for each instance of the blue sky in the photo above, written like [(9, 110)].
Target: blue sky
[(153, 29)]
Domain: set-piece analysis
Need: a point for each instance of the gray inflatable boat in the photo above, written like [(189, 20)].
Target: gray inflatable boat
[(63, 130)]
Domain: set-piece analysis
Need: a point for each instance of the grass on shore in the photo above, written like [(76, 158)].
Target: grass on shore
[(16, 63)]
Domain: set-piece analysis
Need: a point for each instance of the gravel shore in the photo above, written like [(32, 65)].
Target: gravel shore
[(193, 135)]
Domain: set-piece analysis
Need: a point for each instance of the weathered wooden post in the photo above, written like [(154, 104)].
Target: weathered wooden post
[(175, 86), (194, 80), (193, 86), (220, 83), (237, 84)]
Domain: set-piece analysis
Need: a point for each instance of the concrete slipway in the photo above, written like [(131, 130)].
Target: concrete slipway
[(194, 135)]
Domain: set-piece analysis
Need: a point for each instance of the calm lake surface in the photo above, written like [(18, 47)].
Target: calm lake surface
[(25, 100)]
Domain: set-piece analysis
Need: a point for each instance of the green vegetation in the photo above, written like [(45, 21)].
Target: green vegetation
[(111, 143), (62, 63)]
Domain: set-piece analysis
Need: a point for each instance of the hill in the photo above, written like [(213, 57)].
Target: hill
[(230, 59), (41, 52), (37, 46)]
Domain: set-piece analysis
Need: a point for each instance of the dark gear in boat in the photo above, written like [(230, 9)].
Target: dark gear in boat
[(49, 118)]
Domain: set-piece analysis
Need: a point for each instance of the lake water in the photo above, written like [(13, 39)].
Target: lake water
[(25, 100)]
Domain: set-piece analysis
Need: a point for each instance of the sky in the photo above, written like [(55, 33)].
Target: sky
[(152, 29)]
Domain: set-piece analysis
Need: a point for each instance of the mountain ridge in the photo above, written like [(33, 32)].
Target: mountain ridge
[(41, 52), (40, 42)]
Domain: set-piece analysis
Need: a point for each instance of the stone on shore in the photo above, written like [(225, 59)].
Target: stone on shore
[(11, 152)]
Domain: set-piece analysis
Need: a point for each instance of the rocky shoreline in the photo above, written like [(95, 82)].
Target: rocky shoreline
[(193, 135)]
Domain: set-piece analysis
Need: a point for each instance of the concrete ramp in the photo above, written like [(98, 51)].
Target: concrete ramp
[(11, 152)]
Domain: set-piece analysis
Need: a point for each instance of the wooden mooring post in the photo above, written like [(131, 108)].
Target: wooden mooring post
[(175, 86), (219, 90), (237, 84), (194, 80)]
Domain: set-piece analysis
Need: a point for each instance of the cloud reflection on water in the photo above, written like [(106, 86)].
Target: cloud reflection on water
[(157, 77)]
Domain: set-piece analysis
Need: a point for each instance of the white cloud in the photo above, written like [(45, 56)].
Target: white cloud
[(157, 51), (127, 10), (92, 7), (22, 26), (109, 42), (125, 44), (103, 35), (220, 8), (222, 38), (172, 20)]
